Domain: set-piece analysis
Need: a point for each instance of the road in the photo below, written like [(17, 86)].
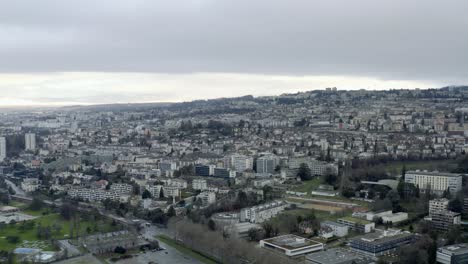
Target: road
[(17, 190)]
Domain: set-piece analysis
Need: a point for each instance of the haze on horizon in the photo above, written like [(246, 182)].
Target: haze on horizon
[(115, 51)]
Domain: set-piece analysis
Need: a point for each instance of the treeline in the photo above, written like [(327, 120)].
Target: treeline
[(221, 246)]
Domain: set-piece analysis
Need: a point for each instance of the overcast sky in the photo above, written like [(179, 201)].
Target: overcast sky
[(87, 51)]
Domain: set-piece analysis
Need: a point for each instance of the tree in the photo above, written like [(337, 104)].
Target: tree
[(36, 204), (304, 172), (456, 205), (146, 194), (120, 250), (171, 212), (212, 225), (67, 211)]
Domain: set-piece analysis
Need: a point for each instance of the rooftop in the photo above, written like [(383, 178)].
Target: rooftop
[(356, 220), (291, 241), (455, 249)]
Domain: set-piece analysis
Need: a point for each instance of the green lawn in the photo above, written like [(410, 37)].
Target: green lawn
[(63, 230), (186, 250), (308, 186)]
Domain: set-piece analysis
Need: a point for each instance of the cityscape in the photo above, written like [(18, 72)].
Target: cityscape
[(234, 132), (324, 176)]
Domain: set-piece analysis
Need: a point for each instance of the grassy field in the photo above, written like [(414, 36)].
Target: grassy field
[(186, 250), (308, 186), (60, 229)]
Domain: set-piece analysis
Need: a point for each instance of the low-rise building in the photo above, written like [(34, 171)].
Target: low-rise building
[(261, 213), (291, 245), (337, 256), (380, 241), (356, 224), (453, 254), (339, 230)]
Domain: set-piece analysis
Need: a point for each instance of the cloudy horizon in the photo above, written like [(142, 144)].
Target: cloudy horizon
[(119, 51)]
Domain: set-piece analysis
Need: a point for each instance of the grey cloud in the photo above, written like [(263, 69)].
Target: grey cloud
[(398, 39)]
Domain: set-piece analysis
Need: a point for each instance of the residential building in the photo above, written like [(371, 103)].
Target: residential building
[(266, 164), (436, 182), (207, 198), (453, 254), (380, 241), (199, 184), (3, 149), (30, 141), (261, 213), (395, 218), (438, 205), (445, 219), (291, 245), (30, 184)]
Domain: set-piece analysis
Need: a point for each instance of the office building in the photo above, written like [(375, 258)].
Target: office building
[(30, 141), (436, 182), (453, 254), (380, 241)]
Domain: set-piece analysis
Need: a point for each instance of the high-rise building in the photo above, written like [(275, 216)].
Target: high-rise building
[(30, 141), (266, 164), (3, 150)]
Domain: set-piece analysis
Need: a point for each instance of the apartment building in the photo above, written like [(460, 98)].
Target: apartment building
[(199, 184), (436, 182), (261, 213)]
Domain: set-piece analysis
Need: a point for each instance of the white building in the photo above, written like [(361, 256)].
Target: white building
[(30, 184), (261, 213), (240, 163), (207, 198), (438, 205), (338, 229), (3, 150), (395, 218), (30, 141), (437, 182), (199, 184), (291, 245)]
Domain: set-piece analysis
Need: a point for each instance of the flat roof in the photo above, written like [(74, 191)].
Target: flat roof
[(291, 241), (456, 249), (356, 220), (434, 173), (337, 256)]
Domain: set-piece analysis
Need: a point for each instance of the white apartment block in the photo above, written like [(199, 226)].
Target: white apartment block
[(240, 163), (3, 150), (122, 188), (96, 195), (261, 213), (155, 190), (207, 198), (30, 141), (170, 191), (438, 205), (30, 184), (437, 182), (199, 184)]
